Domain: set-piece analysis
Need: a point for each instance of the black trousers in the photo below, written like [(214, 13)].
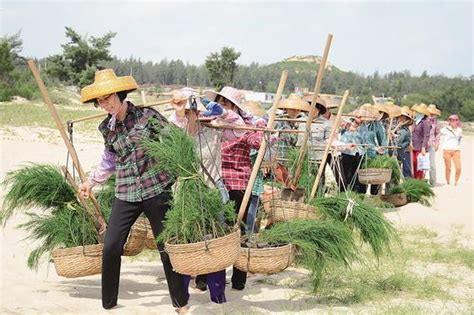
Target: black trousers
[(124, 214), (239, 278), (349, 165)]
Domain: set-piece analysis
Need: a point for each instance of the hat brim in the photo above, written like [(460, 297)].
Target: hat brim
[(120, 84), (211, 95)]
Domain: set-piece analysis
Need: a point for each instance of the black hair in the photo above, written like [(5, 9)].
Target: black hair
[(321, 108), (122, 95)]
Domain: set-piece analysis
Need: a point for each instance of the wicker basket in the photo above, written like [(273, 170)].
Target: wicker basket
[(398, 200), (266, 260), (374, 176), (204, 257), (136, 238), (150, 241), (282, 210), (78, 261)]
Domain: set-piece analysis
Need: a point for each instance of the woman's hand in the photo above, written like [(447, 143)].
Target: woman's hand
[(84, 190)]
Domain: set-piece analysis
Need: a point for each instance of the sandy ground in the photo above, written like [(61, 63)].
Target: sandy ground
[(143, 288)]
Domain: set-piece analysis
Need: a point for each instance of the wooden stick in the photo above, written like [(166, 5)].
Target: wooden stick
[(261, 151), (62, 131), (334, 129), (312, 112), (143, 98), (388, 130)]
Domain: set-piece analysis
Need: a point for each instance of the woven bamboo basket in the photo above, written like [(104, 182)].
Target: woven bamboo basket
[(150, 241), (282, 210), (266, 260), (136, 238), (374, 176), (78, 261), (398, 199), (204, 257)]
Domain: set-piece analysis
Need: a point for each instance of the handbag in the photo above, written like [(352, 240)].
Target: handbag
[(423, 162)]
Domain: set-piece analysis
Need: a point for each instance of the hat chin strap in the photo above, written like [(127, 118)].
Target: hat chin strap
[(114, 113)]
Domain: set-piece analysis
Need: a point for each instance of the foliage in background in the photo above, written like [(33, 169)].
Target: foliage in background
[(368, 220), (15, 78), (221, 67), (416, 190), (81, 57), (321, 244)]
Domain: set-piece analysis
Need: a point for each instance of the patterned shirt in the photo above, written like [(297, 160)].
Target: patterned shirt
[(236, 163), (287, 140), (320, 131), (434, 132), (136, 177)]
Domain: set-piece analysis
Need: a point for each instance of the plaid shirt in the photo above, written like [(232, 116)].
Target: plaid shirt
[(136, 178), (236, 163), (287, 140)]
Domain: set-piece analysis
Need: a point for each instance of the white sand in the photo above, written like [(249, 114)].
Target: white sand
[(143, 288)]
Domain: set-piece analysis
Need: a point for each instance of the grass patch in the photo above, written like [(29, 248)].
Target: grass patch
[(36, 114)]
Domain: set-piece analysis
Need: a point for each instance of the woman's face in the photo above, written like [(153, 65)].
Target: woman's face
[(358, 120), (226, 104), (179, 107), (292, 113), (110, 103), (453, 122)]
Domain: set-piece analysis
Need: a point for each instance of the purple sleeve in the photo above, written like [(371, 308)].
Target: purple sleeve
[(105, 169), (426, 133)]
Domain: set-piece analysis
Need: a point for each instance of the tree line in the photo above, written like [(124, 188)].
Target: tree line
[(83, 55)]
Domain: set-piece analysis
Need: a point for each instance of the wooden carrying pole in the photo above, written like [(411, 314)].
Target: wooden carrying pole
[(263, 147), (312, 113), (334, 130), (62, 131)]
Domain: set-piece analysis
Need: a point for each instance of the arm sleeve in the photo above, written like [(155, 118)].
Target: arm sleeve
[(426, 133), (105, 169)]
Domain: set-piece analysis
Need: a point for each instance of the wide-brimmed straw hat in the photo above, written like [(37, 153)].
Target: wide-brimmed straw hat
[(254, 108), (366, 112), (184, 95), (421, 108), (433, 110), (106, 82), (294, 102), (230, 93)]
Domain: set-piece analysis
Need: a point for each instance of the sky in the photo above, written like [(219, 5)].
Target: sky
[(369, 36)]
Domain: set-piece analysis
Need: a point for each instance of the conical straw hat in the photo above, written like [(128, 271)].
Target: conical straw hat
[(106, 82), (421, 108), (433, 110), (294, 102)]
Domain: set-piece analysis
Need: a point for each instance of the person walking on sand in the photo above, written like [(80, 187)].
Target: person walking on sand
[(451, 144), (139, 187), (420, 137)]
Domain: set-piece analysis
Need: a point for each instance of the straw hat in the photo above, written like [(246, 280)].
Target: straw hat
[(319, 100), (433, 110), (185, 94), (254, 108), (370, 112), (106, 82), (421, 108), (294, 102), (230, 93)]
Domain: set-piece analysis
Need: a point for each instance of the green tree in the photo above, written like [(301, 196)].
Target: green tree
[(81, 56), (221, 67)]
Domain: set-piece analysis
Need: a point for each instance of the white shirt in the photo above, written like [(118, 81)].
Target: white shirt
[(451, 138)]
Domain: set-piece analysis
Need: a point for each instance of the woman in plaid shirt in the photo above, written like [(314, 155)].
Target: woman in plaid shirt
[(235, 152), (139, 187)]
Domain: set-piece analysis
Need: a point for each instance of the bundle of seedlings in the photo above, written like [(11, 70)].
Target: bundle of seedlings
[(199, 232), (416, 191), (65, 226), (359, 215), (320, 244), (37, 185), (63, 222), (307, 176), (383, 162)]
